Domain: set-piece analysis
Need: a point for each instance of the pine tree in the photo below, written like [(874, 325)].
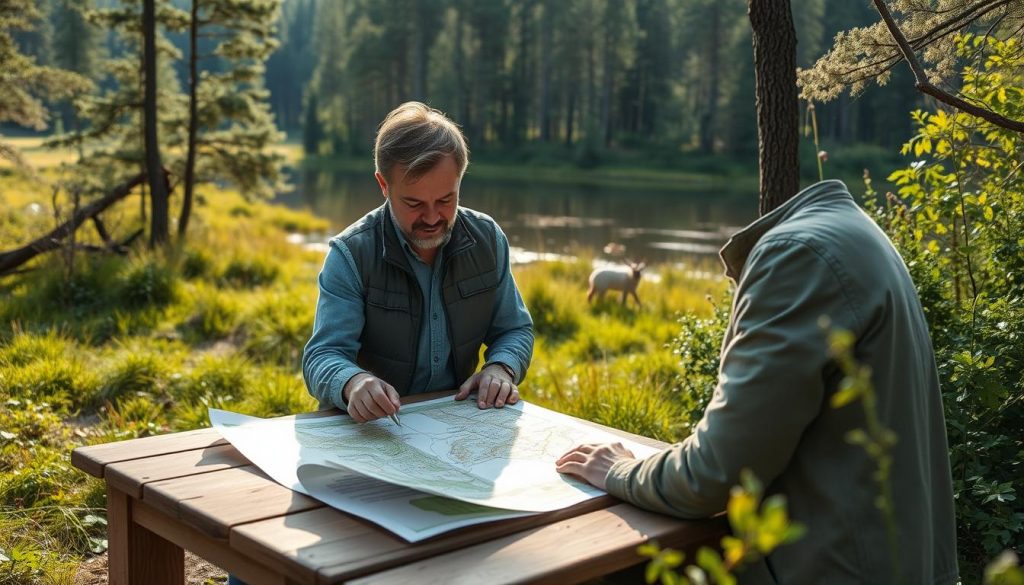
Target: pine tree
[(111, 132), (230, 127), (25, 85)]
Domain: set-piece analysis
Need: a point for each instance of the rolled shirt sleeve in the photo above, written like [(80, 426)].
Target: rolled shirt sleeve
[(509, 339), (771, 386), (329, 358)]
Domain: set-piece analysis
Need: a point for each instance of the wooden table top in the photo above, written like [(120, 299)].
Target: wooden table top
[(227, 509)]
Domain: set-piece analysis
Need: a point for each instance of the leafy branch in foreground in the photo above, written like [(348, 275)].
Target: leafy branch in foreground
[(877, 439), (755, 535)]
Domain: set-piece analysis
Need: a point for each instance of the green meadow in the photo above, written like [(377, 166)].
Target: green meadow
[(104, 347)]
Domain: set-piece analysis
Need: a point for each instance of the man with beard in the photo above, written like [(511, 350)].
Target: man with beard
[(410, 292)]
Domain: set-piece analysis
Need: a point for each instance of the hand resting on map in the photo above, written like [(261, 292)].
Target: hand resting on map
[(591, 462), (494, 387)]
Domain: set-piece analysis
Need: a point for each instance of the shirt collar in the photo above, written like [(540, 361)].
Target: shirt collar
[(735, 252)]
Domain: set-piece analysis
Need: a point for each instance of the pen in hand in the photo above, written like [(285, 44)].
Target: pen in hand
[(394, 417)]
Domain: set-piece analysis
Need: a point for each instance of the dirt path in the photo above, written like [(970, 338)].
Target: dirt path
[(197, 571)]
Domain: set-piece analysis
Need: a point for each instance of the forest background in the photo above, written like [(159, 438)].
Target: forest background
[(107, 338)]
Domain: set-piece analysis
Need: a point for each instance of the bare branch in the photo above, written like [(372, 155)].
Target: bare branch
[(12, 259)]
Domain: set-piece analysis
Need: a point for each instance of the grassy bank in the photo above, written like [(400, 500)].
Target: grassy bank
[(106, 348)]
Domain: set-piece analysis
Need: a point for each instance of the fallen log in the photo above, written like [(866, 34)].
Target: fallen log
[(12, 259)]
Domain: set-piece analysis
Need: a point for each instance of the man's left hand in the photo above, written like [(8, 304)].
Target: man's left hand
[(494, 387), (592, 462)]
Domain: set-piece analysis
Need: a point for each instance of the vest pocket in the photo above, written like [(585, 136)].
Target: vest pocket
[(478, 284), (386, 299)]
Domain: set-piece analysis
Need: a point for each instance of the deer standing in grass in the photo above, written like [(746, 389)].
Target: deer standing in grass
[(624, 279)]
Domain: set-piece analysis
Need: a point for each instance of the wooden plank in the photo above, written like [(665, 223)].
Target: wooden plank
[(94, 458), (570, 551), (214, 551), (349, 547), (136, 555), (214, 502), (130, 476)]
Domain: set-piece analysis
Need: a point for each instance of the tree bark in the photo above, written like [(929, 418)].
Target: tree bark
[(708, 119), (778, 117), (11, 260), (193, 121), (158, 233), (544, 114)]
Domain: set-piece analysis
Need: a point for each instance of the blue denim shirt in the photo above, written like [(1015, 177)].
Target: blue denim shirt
[(329, 359)]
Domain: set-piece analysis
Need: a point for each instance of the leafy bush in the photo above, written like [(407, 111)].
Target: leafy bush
[(196, 264), (225, 377), (215, 317), (551, 318), (133, 372), (277, 329), (148, 282), (957, 219), (250, 272), (698, 348)]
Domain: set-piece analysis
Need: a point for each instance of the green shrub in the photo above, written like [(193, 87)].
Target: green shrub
[(221, 377), (551, 317), (277, 393), (277, 330), (25, 348), (132, 372), (215, 317), (148, 282), (957, 219), (63, 382), (250, 272), (698, 349), (197, 263)]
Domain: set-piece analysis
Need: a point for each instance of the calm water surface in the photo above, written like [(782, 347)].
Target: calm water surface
[(551, 220)]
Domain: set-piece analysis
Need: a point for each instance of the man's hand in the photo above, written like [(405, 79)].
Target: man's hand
[(494, 387), (592, 462), (369, 398)]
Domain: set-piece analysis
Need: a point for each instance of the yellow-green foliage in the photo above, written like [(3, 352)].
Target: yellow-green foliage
[(116, 347), (757, 529)]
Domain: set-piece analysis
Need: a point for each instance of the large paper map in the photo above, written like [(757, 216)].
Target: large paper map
[(495, 463)]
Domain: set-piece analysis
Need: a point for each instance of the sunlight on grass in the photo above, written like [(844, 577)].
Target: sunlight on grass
[(110, 347)]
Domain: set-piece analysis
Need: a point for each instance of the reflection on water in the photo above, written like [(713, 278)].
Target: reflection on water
[(546, 221)]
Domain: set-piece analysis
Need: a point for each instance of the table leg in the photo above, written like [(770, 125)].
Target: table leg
[(135, 555)]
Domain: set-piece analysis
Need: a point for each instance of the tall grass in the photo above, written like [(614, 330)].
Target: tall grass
[(110, 348)]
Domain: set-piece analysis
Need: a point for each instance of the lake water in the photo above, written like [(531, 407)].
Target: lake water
[(552, 220)]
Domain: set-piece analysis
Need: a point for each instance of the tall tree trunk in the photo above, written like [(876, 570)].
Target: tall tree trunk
[(570, 114), (707, 121), (522, 86), (607, 83), (778, 117), (421, 54), (458, 63), (193, 121), (544, 113), (158, 232)]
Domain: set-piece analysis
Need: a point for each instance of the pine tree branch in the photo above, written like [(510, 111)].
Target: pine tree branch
[(927, 87)]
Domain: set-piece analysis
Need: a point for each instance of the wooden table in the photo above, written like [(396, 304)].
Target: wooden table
[(194, 491)]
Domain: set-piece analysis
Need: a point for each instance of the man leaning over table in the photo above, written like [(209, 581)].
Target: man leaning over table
[(410, 292), (816, 255)]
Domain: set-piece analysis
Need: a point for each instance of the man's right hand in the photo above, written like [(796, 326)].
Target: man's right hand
[(369, 398)]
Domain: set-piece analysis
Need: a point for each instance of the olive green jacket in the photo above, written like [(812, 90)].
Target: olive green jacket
[(817, 256)]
